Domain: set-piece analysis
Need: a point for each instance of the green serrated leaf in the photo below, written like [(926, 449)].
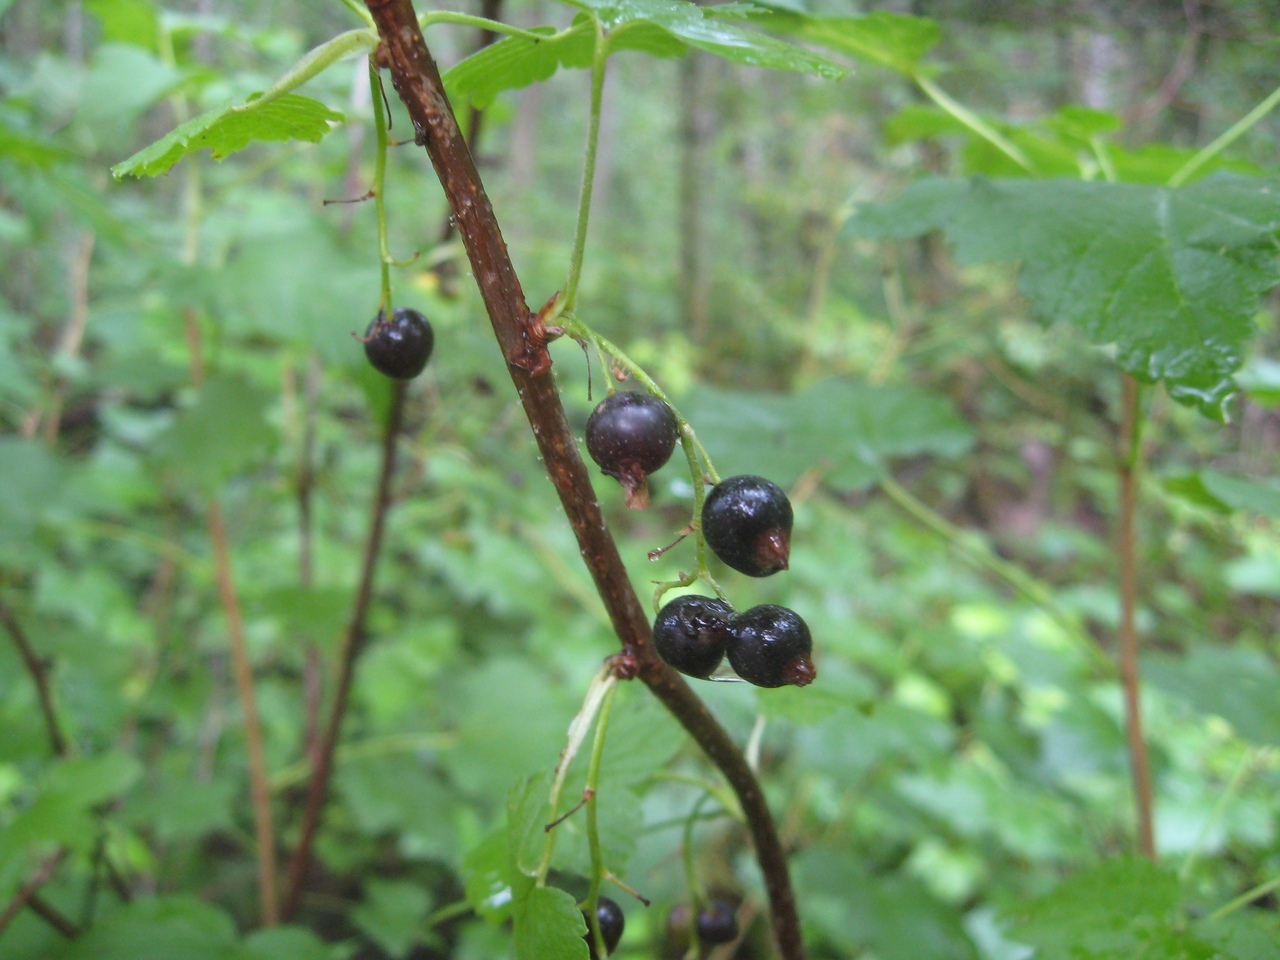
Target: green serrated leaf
[(660, 28), (848, 431), (1170, 276), (225, 130), (516, 62), (549, 926)]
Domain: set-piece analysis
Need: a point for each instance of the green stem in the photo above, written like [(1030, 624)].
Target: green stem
[(696, 893), (1103, 156), (1246, 898), (1237, 130), (974, 122), (593, 829), (598, 58), (599, 693), (359, 11), (1022, 582), (379, 182), (484, 23)]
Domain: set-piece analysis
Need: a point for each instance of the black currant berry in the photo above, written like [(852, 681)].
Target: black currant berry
[(690, 633), (747, 522), (611, 920), (399, 347), (717, 923), (630, 435), (770, 646)]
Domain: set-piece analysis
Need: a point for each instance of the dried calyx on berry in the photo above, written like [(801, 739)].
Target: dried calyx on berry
[(611, 920), (717, 923), (400, 347), (690, 634), (630, 435), (746, 521), (770, 646)]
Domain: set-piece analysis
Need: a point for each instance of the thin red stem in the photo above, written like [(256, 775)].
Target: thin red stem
[(1130, 457)]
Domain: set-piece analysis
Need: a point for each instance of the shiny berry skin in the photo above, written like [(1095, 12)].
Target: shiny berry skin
[(690, 634), (770, 646), (717, 923), (630, 435), (747, 522), (611, 920), (400, 347)]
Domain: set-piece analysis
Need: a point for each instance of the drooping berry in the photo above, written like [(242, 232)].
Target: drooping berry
[(690, 633), (747, 522), (630, 435), (611, 920), (769, 646), (717, 923), (400, 347)]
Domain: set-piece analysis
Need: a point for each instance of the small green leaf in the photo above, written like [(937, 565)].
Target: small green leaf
[(549, 926), (1170, 276), (225, 130)]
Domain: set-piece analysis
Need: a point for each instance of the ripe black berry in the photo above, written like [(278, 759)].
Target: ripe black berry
[(611, 920), (690, 633), (770, 646), (630, 435), (747, 522), (399, 347), (717, 923)]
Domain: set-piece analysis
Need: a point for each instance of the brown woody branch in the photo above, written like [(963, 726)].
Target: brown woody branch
[(417, 80)]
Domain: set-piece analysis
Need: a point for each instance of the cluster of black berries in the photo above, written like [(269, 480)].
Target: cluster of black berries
[(400, 347), (767, 645), (746, 521)]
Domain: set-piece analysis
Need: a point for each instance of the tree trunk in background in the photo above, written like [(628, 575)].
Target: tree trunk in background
[(697, 124)]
